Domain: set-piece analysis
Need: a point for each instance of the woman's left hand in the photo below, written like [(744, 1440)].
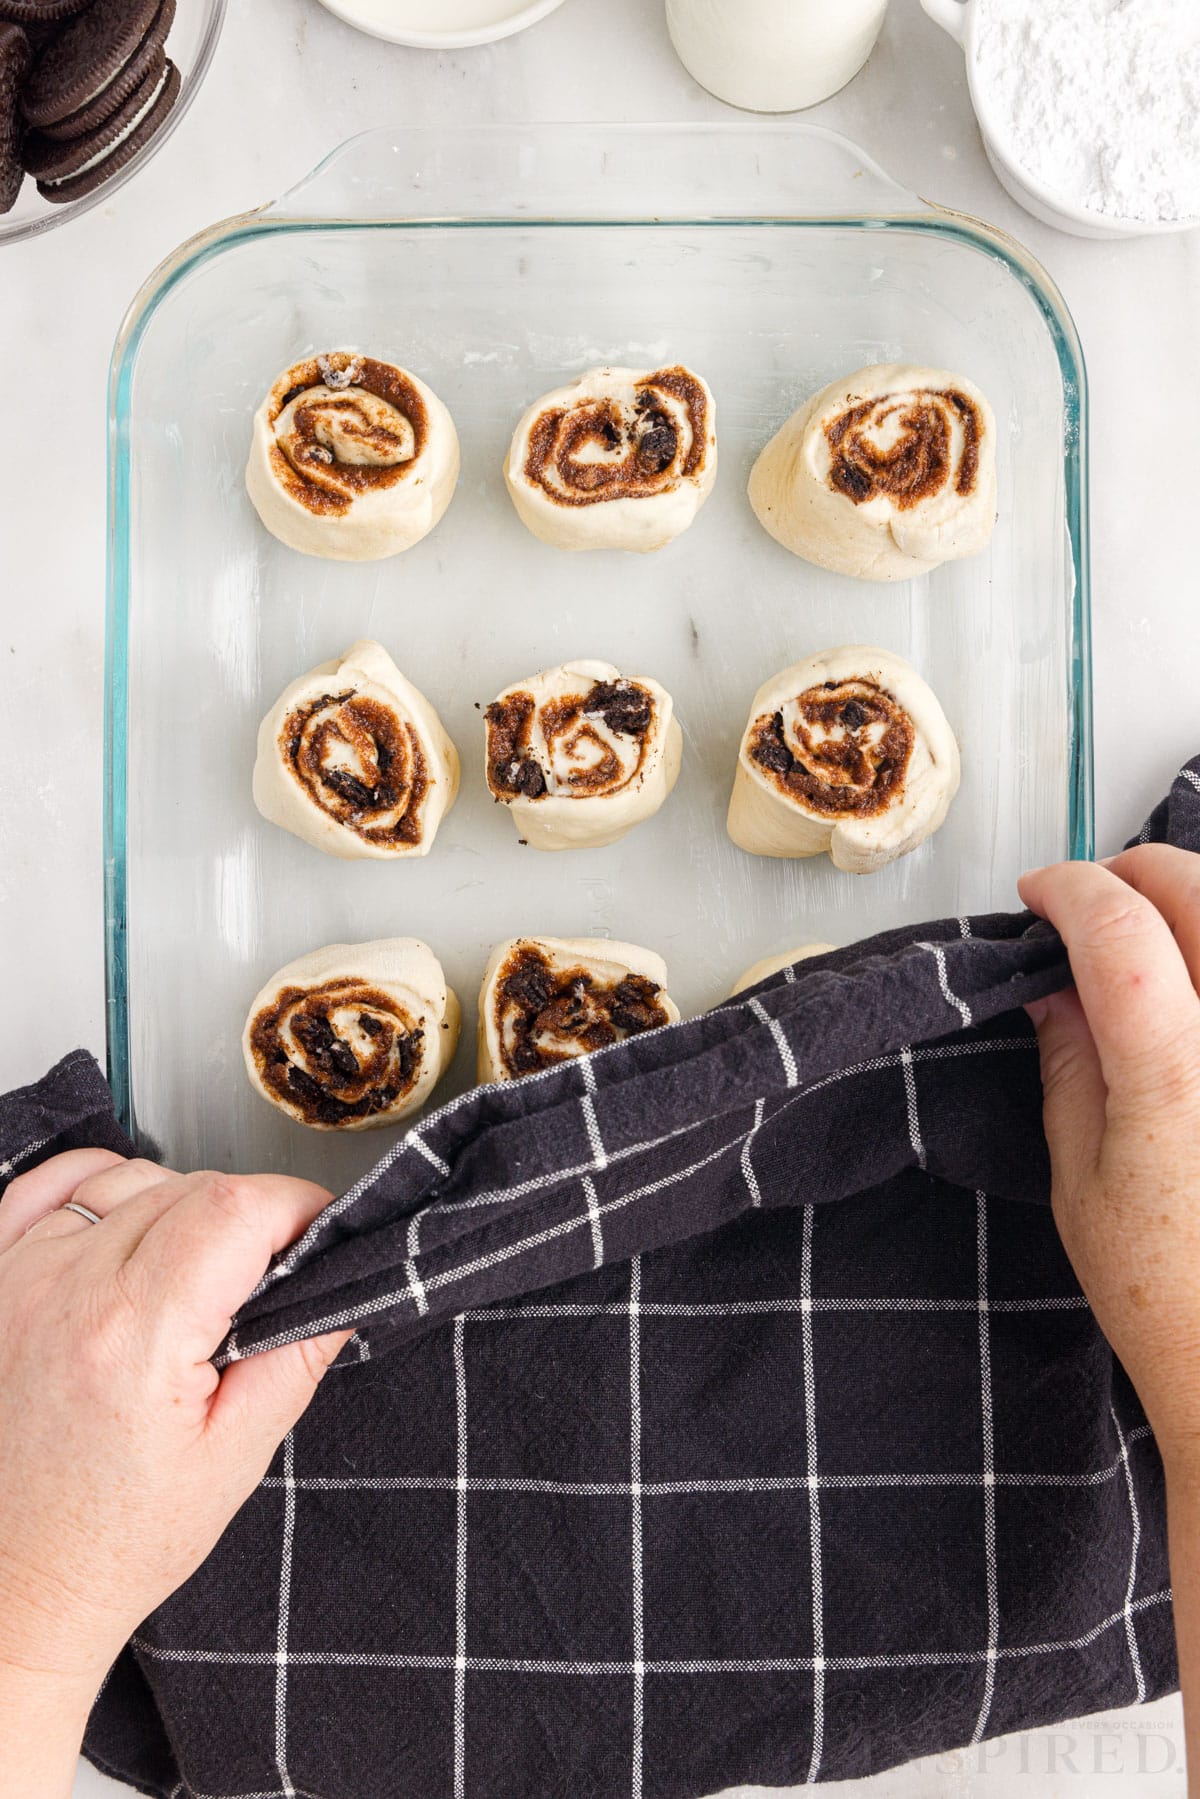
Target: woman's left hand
[(125, 1452)]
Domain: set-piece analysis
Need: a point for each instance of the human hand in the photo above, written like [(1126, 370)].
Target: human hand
[(125, 1453), (1121, 1069)]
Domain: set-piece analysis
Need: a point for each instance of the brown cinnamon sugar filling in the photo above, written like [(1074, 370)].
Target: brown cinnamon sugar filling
[(360, 763), (918, 464), (514, 770), (308, 470), (643, 454), (848, 754), (336, 1052), (546, 1015)]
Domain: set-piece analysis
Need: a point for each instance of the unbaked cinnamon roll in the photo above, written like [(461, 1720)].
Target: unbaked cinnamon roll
[(617, 461), (762, 971), (546, 1000), (351, 458), (353, 759), (884, 475), (848, 752), (353, 1036), (581, 753)]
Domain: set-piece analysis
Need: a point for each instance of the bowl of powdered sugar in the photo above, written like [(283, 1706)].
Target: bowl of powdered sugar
[(1089, 109)]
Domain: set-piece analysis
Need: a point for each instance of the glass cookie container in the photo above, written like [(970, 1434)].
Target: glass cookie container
[(190, 45)]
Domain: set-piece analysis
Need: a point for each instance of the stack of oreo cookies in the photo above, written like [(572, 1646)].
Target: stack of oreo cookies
[(83, 85)]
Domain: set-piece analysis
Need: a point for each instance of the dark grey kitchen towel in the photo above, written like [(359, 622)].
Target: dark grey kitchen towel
[(721, 1409)]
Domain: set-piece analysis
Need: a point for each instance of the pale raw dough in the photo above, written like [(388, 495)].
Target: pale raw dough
[(605, 960), (770, 822), (365, 672), (378, 521), (762, 971), (402, 969), (562, 819), (670, 498), (877, 538)]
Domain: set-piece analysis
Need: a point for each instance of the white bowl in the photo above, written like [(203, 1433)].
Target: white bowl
[(407, 21), (958, 18)]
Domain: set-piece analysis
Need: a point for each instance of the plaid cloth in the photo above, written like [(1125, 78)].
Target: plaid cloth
[(740, 1421)]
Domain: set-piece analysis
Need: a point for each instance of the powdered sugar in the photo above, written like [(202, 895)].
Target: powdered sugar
[(1098, 100)]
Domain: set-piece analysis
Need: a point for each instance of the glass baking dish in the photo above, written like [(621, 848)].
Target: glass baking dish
[(496, 262)]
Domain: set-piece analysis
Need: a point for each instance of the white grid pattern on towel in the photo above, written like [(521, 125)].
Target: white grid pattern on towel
[(636, 1493), (14, 1162), (1136, 1538), (591, 1123), (748, 1174), (285, 1602), (926, 1052), (593, 1206), (460, 1560), (808, 1375), (910, 1103), (991, 1574), (737, 1308), (791, 1073), (415, 1291), (782, 1664), (637, 1586), (733, 1483), (948, 994)]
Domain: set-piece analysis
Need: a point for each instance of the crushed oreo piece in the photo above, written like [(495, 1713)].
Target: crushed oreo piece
[(657, 444), (337, 379), (528, 779), (626, 708)]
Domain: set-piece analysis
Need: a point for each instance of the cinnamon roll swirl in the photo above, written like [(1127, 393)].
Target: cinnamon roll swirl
[(762, 971), (353, 759), (351, 458), (546, 1000), (354, 1036), (884, 475), (617, 461), (581, 753), (848, 752)]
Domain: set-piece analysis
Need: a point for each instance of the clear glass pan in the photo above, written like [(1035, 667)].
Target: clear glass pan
[(495, 263), (191, 44)]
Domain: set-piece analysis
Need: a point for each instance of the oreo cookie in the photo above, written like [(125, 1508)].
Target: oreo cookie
[(68, 171), (90, 54), (15, 57), (148, 55)]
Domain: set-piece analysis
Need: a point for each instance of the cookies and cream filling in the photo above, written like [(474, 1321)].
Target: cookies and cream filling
[(354, 759), (617, 460), (547, 1000), (848, 752), (581, 753), (884, 475), (353, 1036), (842, 748), (351, 457)]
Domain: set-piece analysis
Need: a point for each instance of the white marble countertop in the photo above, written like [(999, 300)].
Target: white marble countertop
[(289, 82)]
